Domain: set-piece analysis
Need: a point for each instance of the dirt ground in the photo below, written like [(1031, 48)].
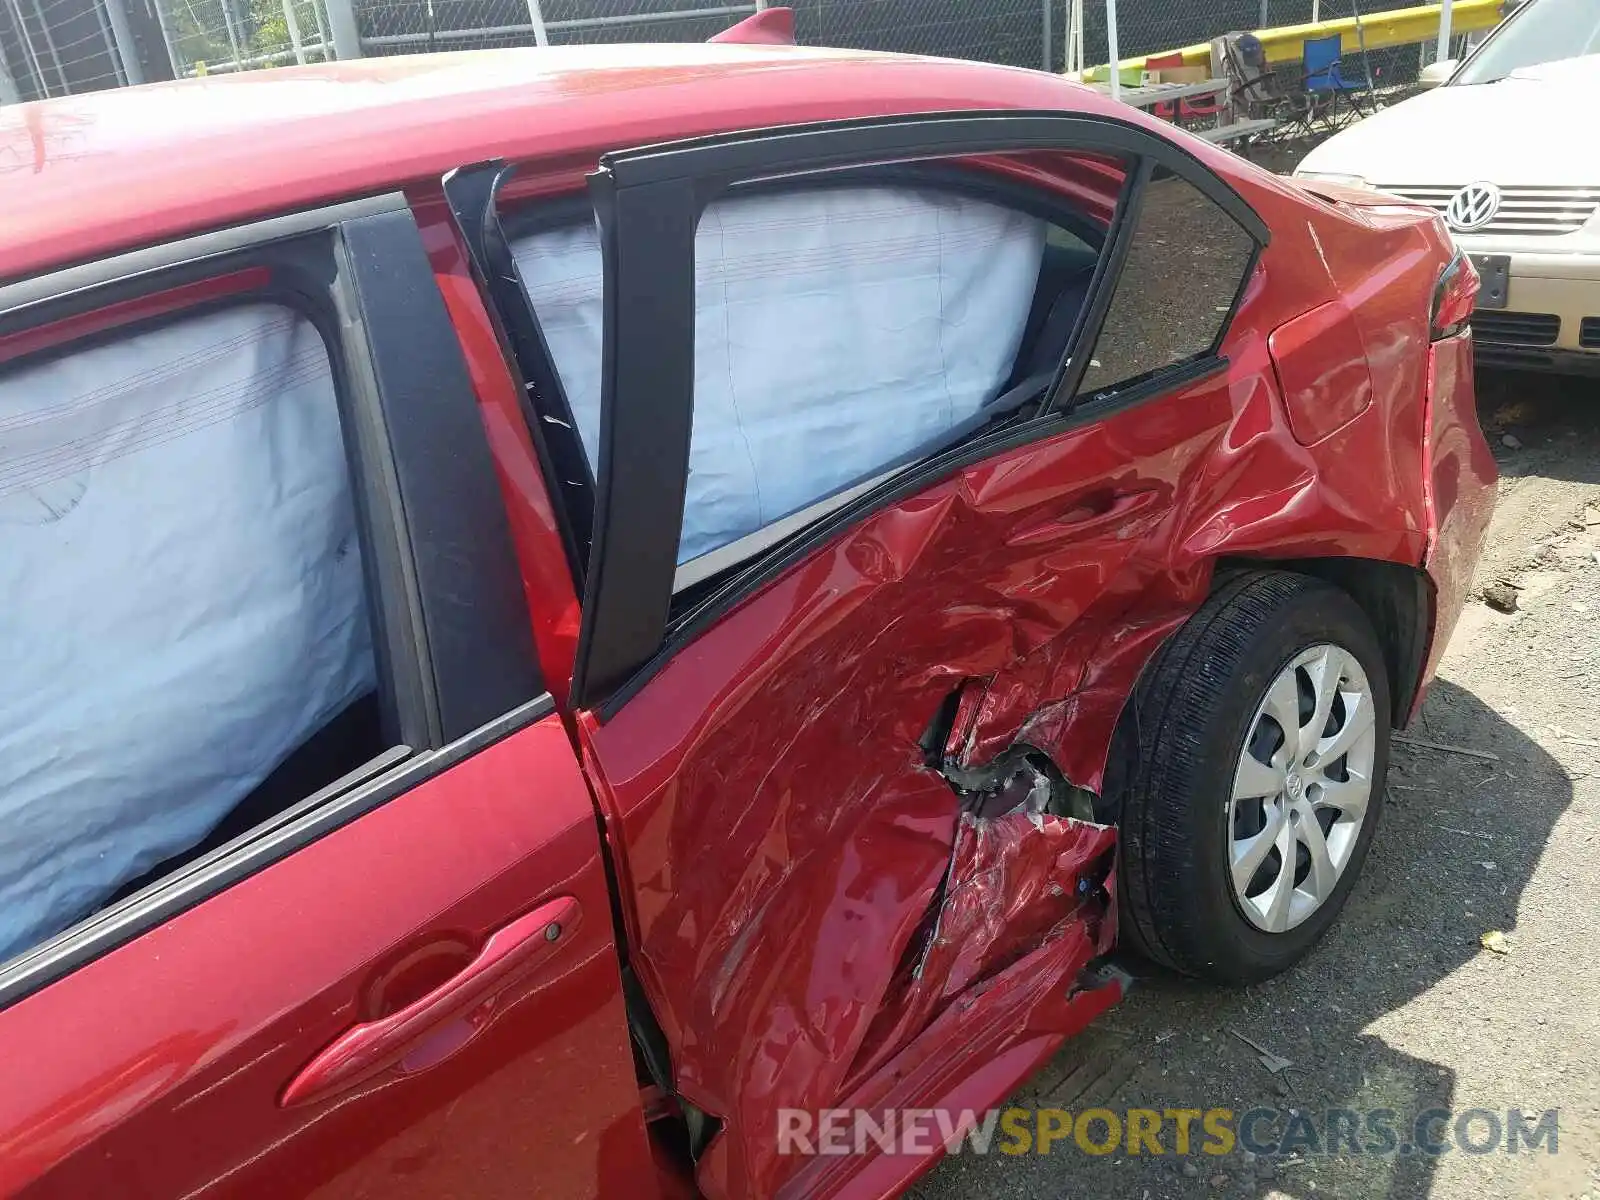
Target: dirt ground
[(1401, 1007)]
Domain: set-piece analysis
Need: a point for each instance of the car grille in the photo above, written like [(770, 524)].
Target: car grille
[(1516, 328), (1530, 211), (1589, 333)]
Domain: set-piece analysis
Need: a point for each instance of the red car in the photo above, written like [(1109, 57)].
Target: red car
[(564, 607)]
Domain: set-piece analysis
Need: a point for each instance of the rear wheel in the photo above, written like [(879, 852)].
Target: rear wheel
[(1262, 739)]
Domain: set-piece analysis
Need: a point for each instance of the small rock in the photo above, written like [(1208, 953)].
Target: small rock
[(1190, 1170), (1283, 1087), (1496, 941), (1511, 442), (1219, 1181), (1501, 597)]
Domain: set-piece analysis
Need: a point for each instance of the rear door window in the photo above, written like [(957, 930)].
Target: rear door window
[(1187, 261), (841, 330), (186, 622)]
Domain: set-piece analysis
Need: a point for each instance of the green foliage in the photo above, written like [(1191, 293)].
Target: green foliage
[(200, 28)]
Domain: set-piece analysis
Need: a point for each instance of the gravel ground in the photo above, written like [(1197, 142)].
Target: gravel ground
[(1400, 1006)]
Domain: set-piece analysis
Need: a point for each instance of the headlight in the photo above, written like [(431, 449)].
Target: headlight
[(1333, 177)]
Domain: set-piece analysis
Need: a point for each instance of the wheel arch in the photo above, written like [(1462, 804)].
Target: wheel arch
[(1398, 599)]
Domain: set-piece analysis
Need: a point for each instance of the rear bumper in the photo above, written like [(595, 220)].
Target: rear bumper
[(1459, 490)]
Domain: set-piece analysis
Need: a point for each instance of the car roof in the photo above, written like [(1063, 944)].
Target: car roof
[(84, 175)]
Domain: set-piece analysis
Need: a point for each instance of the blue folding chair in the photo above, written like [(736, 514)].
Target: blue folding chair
[(1325, 78)]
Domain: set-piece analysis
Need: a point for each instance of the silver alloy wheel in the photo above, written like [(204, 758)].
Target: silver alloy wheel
[(1301, 790)]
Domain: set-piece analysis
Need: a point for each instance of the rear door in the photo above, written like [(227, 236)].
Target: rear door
[(887, 430), (320, 907)]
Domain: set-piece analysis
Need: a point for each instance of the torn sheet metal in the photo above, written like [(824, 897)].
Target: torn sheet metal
[(782, 835), (1016, 882)]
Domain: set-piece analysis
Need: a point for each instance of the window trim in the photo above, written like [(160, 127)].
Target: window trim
[(573, 209), (393, 379), (1070, 396), (628, 631), (390, 774), (470, 194), (301, 279)]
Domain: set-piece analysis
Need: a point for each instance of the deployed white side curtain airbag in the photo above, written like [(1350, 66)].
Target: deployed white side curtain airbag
[(837, 331), (183, 599)]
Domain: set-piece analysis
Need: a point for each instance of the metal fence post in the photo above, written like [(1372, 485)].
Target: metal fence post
[(322, 31), (1047, 34), (1111, 48), (55, 53), (1262, 24), (346, 34), (1074, 46), (127, 50), (233, 33), (293, 23), (536, 16), (1444, 30), (111, 47)]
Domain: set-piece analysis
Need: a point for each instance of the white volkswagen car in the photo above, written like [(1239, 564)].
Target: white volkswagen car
[(1506, 150)]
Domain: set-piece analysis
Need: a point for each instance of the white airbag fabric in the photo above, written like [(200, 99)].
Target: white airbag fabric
[(183, 596), (837, 331)]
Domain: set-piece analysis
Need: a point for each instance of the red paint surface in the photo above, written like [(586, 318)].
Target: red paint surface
[(1322, 370), (546, 581), (782, 836), (769, 27), (82, 175), (158, 1068), (1461, 477), (779, 839)]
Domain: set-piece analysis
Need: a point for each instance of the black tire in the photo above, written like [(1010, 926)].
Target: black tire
[(1192, 710)]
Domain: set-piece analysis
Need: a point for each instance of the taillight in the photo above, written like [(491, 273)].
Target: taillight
[(1455, 297)]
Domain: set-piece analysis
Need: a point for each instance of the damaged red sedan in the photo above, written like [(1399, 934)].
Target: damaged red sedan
[(564, 606)]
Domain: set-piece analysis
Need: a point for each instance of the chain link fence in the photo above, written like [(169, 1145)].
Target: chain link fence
[(54, 47)]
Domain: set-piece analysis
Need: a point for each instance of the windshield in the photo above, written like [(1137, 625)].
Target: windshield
[(1544, 31)]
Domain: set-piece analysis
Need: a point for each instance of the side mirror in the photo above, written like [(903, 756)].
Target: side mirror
[(1436, 73)]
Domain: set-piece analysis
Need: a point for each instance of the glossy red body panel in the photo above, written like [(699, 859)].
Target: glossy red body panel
[(769, 27), (782, 743), (778, 837), (1461, 477), (166, 1057), (1322, 369), (84, 175), (546, 580)]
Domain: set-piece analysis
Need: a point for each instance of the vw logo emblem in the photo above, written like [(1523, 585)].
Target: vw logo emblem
[(1473, 207)]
